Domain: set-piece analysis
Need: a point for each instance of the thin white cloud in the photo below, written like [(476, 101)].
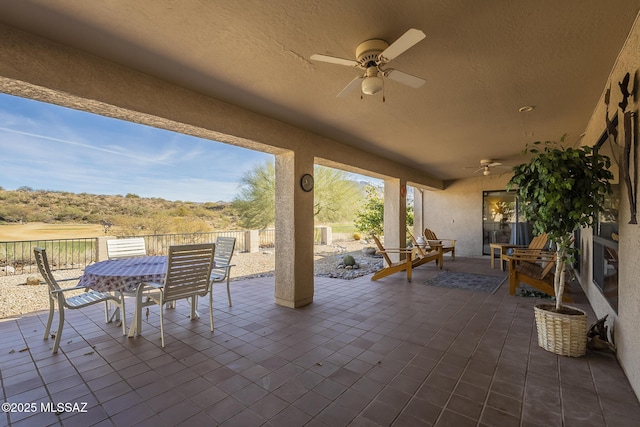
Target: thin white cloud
[(49, 147), (91, 147)]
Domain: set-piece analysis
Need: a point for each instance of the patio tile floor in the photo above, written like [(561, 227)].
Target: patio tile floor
[(363, 354)]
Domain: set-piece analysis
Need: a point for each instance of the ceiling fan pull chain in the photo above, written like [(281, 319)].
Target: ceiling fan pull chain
[(383, 98)]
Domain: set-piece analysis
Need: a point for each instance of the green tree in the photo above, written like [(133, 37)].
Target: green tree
[(335, 196), (370, 218), (256, 201)]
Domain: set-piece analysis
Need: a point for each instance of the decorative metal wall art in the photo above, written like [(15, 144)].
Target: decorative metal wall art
[(629, 123)]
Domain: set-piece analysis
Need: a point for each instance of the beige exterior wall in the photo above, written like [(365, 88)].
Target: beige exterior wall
[(627, 334), (456, 212)]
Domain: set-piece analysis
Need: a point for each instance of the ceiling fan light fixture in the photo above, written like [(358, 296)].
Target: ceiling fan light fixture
[(486, 171), (371, 85)]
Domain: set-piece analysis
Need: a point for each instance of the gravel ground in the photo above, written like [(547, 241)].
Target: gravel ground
[(16, 297)]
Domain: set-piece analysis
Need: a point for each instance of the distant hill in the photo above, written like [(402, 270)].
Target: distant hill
[(129, 212)]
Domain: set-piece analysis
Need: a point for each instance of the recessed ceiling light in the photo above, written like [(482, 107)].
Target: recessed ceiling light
[(526, 108)]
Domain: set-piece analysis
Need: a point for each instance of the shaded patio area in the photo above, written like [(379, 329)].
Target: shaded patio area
[(363, 354)]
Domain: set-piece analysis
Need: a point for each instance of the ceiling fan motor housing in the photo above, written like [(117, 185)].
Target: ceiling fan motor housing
[(367, 52)]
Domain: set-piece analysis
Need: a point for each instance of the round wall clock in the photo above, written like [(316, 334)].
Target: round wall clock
[(306, 182)]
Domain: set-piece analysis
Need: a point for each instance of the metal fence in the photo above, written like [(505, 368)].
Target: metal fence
[(267, 238), (158, 244), (63, 254)]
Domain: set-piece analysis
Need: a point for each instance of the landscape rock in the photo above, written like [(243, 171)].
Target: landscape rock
[(33, 280)]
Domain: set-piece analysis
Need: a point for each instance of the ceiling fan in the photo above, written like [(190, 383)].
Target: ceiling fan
[(485, 166), (372, 56)]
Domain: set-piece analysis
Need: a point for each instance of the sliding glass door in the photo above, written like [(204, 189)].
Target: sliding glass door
[(501, 220)]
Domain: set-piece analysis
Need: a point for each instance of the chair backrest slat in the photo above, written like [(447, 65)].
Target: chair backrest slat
[(126, 248), (538, 242), (224, 250), (45, 270), (188, 271), (382, 251), (429, 234)]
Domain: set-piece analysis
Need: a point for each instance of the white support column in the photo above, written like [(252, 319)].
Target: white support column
[(326, 235), (252, 241), (294, 231), (395, 216), (418, 209)]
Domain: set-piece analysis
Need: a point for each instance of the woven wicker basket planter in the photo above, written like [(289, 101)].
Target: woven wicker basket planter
[(563, 334)]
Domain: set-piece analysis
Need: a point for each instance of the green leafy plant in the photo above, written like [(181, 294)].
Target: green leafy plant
[(562, 190), (335, 196), (370, 218)]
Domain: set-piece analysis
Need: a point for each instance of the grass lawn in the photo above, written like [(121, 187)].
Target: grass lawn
[(42, 231)]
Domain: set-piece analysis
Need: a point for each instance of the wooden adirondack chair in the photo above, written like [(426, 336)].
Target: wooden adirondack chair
[(536, 245), (406, 264), (535, 268), (448, 245), (423, 251)]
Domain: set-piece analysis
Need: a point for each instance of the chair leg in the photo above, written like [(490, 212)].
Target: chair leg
[(136, 325), (56, 343), (228, 290), (162, 322), (116, 311), (107, 317), (47, 329), (124, 315), (211, 310), (194, 307)]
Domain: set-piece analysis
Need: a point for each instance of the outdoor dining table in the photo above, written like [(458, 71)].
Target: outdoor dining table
[(123, 276)]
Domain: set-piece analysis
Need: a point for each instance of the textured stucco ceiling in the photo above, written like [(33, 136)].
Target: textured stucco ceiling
[(481, 60)]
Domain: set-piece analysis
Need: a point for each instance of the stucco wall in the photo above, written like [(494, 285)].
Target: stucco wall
[(627, 335), (456, 212)]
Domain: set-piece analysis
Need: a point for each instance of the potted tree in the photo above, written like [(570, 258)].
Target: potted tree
[(562, 190)]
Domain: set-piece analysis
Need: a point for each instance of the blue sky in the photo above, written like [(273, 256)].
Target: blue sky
[(48, 147)]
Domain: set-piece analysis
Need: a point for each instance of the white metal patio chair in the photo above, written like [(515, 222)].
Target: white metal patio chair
[(222, 262), (126, 248), (188, 272), (56, 295)]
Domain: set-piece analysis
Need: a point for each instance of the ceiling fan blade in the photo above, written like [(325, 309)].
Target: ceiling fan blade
[(494, 164), (406, 41), (404, 78), (334, 60), (355, 83)]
